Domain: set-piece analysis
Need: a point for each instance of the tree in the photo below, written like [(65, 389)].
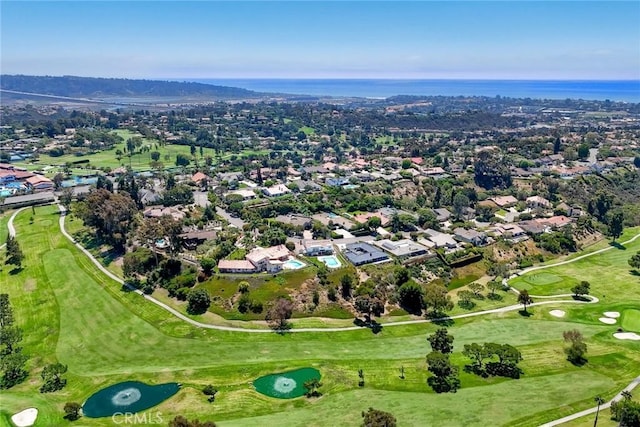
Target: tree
[(51, 375), (599, 401), (207, 265), (441, 341), (111, 215), (182, 160), (312, 387), (577, 348), (493, 286), (12, 367), (211, 391), (445, 375), (57, 181), (525, 299), (377, 418), (437, 298), (581, 288), (278, 315), (634, 261), (6, 312), (410, 297), (155, 156), (346, 285), (198, 301), (465, 300), (460, 203), (104, 183), (583, 151), (636, 161), (491, 171), (72, 411), (360, 378), (477, 353), (66, 197), (556, 145), (508, 359), (477, 289), (615, 221), (14, 253), (374, 222)]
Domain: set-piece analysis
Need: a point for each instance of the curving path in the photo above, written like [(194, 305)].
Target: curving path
[(593, 410), (10, 227), (238, 329)]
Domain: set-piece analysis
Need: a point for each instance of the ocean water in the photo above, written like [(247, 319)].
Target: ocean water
[(619, 90)]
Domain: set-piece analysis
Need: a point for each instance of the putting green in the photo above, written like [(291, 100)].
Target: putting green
[(631, 320), (541, 279), (127, 397), (286, 385)]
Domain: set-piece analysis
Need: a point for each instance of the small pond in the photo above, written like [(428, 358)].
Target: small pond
[(286, 385), (129, 396)]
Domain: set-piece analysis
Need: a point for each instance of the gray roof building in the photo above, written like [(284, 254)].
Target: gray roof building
[(363, 253)]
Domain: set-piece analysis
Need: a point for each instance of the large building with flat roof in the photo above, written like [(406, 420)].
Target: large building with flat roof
[(363, 253), (402, 249)]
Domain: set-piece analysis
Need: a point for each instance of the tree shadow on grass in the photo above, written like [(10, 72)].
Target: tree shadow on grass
[(440, 319), (579, 362), (375, 327), (15, 270), (635, 272), (525, 313), (617, 245), (581, 298)]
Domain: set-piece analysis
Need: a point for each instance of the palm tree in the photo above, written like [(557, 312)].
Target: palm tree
[(599, 400)]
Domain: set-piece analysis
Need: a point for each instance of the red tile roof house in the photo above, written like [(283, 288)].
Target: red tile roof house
[(39, 183), (199, 177)]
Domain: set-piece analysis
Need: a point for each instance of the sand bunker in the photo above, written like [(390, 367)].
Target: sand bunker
[(612, 314), (607, 320), (627, 336), (557, 313), (25, 418)]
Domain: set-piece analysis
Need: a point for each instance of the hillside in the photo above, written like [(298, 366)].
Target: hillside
[(91, 87)]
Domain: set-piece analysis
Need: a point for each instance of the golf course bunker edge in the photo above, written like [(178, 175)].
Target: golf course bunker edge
[(286, 385), (127, 397)]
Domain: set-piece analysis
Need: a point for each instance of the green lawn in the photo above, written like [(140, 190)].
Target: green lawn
[(75, 315), (631, 320)]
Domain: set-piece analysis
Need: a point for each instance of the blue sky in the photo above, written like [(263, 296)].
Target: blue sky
[(304, 39)]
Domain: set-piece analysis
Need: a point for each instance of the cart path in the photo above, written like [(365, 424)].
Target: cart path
[(593, 410)]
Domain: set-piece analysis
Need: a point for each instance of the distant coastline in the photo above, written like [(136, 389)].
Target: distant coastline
[(618, 90)]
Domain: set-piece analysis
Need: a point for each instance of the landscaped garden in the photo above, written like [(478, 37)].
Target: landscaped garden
[(73, 314)]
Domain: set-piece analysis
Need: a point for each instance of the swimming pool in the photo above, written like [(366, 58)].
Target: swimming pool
[(293, 264), (330, 261)]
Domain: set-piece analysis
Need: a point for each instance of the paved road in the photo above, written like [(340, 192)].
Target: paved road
[(593, 410), (238, 329), (237, 222)]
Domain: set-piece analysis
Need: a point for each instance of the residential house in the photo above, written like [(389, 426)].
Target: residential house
[(442, 214), (363, 253), (200, 179), (236, 266), (504, 201), (402, 249), (511, 232), (474, 237), (317, 247), (269, 259), (276, 190), (538, 202), (441, 240)]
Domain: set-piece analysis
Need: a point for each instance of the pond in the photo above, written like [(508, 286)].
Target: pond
[(129, 396), (286, 385)]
